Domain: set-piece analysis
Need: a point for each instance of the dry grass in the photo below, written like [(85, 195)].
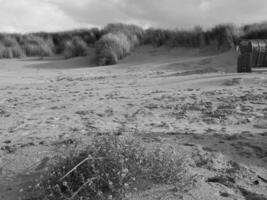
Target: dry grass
[(112, 166), (37, 46), (11, 52), (47, 44), (224, 36), (116, 41), (10, 48), (89, 36), (254, 31), (75, 47), (111, 48)]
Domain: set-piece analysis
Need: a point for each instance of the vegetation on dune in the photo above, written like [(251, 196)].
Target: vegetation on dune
[(119, 40), (10, 48), (48, 44), (75, 47), (111, 48), (134, 33), (255, 31), (37, 46), (222, 36), (89, 36), (112, 166), (225, 36), (11, 52), (116, 41), (172, 38)]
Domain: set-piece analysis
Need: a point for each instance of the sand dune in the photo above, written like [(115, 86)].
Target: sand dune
[(184, 97)]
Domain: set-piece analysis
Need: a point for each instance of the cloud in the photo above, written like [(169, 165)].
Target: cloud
[(54, 15), (33, 15)]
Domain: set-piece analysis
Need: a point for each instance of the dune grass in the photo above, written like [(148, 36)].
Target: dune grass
[(37, 46), (75, 47), (89, 36), (134, 33), (254, 31), (111, 48), (223, 36), (10, 48), (111, 166), (116, 41), (11, 52), (69, 43)]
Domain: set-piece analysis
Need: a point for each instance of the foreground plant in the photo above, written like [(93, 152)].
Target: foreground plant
[(112, 166)]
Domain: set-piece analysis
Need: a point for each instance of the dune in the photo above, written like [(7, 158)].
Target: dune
[(184, 97)]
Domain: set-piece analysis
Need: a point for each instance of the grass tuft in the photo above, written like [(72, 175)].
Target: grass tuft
[(112, 166), (37, 46), (111, 48), (10, 48), (117, 42), (75, 47)]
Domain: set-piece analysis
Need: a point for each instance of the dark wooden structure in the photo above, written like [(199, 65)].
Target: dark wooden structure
[(252, 54)]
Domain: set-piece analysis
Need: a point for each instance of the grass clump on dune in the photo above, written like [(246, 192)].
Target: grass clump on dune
[(37, 46), (222, 37), (89, 36), (254, 31), (11, 52), (110, 167), (117, 42), (134, 33), (75, 47), (10, 48), (111, 48)]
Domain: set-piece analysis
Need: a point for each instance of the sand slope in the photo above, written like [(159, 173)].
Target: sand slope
[(183, 97)]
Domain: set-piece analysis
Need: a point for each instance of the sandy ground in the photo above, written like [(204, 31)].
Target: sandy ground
[(183, 97)]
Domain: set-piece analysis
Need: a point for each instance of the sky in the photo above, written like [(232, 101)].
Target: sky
[(56, 15)]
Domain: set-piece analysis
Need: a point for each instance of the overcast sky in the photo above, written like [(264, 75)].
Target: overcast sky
[(54, 15)]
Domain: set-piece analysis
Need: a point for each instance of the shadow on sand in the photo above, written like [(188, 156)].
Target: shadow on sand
[(60, 63), (246, 148)]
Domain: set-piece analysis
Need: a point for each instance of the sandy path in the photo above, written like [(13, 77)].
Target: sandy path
[(217, 119)]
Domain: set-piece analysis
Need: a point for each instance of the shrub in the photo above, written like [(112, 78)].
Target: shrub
[(112, 166), (117, 42), (111, 48), (75, 47)]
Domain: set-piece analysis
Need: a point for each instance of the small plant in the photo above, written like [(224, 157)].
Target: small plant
[(110, 167)]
